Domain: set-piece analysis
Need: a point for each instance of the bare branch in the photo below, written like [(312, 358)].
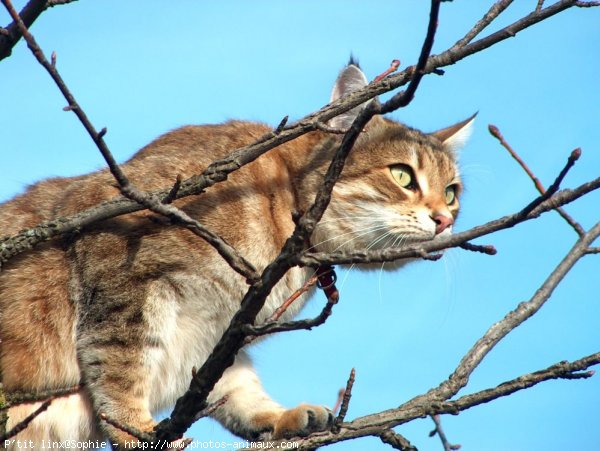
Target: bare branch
[(234, 337), (405, 97), (496, 9), (395, 64), (15, 398), (211, 408), (327, 129), (396, 441), (555, 185), (496, 134), (22, 425), (430, 404), (516, 317), (345, 402), (271, 327), (134, 432), (439, 431), (486, 249), (295, 295), (53, 3), (12, 34)]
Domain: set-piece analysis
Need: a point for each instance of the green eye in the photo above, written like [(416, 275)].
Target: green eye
[(404, 176), (450, 194)]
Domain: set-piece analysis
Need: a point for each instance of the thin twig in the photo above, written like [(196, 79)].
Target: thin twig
[(556, 184), (22, 425), (441, 434), (328, 129), (496, 9), (395, 64), (304, 324), (430, 404), (272, 320), (396, 440), (405, 97), (172, 195), (524, 311), (10, 35), (72, 103), (53, 3), (134, 432), (495, 132), (487, 249), (16, 398), (337, 423), (295, 295), (211, 408)]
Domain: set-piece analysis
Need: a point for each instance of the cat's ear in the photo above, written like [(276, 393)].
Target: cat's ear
[(455, 137), (351, 79)]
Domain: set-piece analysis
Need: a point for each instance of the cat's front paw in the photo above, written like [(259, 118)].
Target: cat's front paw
[(302, 421)]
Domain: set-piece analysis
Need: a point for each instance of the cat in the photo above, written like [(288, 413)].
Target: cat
[(128, 306)]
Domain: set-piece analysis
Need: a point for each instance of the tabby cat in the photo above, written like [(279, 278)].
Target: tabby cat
[(130, 305)]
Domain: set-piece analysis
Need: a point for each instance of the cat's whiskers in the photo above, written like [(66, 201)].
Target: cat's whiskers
[(375, 240), (389, 233), (393, 238), (365, 231), (345, 218)]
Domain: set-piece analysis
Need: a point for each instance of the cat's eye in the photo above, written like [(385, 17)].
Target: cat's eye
[(450, 194), (404, 176)]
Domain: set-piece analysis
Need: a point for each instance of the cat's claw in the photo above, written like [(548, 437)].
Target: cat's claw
[(302, 421)]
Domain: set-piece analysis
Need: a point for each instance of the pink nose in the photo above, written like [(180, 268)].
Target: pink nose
[(442, 222)]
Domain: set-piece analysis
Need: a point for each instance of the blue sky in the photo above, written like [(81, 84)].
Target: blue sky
[(143, 68)]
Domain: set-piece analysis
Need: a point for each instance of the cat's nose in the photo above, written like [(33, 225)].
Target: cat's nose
[(442, 222)]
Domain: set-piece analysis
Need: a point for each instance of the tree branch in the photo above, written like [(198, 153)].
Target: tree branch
[(405, 97), (396, 441), (15, 398), (495, 132), (10, 35), (496, 9), (439, 431), (430, 404), (22, 425), (339, 420)]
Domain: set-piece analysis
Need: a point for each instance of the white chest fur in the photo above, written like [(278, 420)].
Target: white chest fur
[(187, 315)]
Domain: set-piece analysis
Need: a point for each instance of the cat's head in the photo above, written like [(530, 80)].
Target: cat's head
[(399, 185)]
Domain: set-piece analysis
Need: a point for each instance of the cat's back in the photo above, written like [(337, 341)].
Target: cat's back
[(34, 286)]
